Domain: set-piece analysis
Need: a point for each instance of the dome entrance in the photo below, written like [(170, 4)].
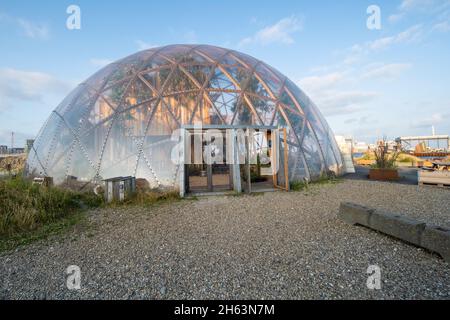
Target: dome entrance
[(238, 158)]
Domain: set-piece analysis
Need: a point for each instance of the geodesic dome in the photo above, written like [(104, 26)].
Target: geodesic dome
[(119, 122)]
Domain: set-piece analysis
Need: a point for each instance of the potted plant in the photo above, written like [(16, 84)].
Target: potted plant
[(384, 168)]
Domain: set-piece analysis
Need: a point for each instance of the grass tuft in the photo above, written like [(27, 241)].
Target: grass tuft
[(146, 198), (299, 185), (29, 211)]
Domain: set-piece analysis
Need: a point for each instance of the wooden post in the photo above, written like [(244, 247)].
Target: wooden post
[(247, 161), (209, 177), (182, 182), (235, 165), (286, 155), (275, 149)]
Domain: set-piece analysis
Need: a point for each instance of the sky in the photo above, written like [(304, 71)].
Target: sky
[(390, 81)]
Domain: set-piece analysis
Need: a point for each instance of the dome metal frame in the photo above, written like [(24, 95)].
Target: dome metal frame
[(118, 121)]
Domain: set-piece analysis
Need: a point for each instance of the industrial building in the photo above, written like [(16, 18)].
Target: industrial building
[(3, 149)]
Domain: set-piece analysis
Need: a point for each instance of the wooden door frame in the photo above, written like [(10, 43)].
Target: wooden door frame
[(277, 139), (235, 177)]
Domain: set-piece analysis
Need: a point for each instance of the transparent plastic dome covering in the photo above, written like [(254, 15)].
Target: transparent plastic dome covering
[(119, 121)]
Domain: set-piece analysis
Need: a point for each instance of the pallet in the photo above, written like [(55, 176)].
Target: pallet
[(440, 185), (435, 178)]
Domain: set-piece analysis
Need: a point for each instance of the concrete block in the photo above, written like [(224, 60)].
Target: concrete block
[(397, 226), (433, 238), (437, 239), (354, 214)]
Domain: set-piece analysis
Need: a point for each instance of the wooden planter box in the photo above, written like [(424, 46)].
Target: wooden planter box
[(383, 174)]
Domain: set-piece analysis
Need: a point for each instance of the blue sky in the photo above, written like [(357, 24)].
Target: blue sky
[(368, 83)]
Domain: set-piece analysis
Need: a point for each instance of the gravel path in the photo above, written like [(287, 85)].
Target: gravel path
[(276, 245)]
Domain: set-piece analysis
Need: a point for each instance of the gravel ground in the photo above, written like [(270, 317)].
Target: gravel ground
[(276, 245)]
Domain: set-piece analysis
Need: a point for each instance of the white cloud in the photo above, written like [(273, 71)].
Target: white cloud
[(414, 4), (357, 52), (326, 91), (442, 26), (39, 31), (315, 83), (280, 32), (395, 17), (34, 31), (410, 35), (336, 102), (360, 121), (142, 45), (381, 43), (408, 7), (387, 71), (345, 92), (100, 62), (22, 86), (434, 119), (414, 34), (339, 92)]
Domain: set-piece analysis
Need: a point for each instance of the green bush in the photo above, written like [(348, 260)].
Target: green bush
[(384, 159), (298, 185), (25, 206), (148, 198), (324, 178)]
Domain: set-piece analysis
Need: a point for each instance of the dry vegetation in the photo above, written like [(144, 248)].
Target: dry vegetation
[(29, 211), (24, 207), (12, 163)]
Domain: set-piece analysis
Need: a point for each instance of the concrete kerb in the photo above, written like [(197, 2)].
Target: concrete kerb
[(437, 239), (433, 238), (355, 214)]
